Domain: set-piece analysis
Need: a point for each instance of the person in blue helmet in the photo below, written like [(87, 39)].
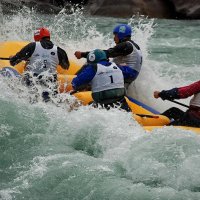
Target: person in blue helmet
[(105, 78), (126, 54)]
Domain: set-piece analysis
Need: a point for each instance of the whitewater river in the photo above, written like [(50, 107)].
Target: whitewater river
[(48, 153)]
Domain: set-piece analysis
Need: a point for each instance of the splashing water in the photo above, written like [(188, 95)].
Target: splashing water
[(49, 153)]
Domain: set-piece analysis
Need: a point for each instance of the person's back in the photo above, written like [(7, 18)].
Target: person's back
[(42, 58), (44, 50), (133, 60), (106, 79), (108, 83)]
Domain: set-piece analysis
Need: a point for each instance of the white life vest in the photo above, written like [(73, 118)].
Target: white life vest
[(133, 60), (43, 59), (107, 77), (195, 101)]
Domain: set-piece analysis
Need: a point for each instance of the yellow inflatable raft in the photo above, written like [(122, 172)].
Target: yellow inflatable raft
[(146, 116)]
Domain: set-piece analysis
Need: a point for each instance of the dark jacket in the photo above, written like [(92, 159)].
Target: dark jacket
[(122, 49)]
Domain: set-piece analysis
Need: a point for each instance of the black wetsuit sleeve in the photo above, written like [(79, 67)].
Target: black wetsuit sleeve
[(24, 54), (63, 58), (84, 54), (169, 94), (121, 49)]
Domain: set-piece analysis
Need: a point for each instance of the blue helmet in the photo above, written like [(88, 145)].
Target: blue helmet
[(122, 31), (96, 56)]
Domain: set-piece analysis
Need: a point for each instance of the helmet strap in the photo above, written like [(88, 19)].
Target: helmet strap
[(45, 38), (125, 39)]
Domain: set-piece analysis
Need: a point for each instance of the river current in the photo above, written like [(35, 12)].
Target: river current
[(48, 153)]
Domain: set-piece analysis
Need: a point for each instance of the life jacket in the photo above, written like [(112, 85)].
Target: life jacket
[(194, 109), (133, 60), (43, 59), (107, 77), (195, 101)]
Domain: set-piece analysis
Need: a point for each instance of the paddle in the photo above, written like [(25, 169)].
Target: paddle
[(179, 103), (148, 116), (4, 58)]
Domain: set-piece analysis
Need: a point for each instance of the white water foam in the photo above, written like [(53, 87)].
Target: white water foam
[(60, 147)]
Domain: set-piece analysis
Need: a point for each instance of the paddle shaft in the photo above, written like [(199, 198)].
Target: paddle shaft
[(148, 116), (4, 58), (179, 103)]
